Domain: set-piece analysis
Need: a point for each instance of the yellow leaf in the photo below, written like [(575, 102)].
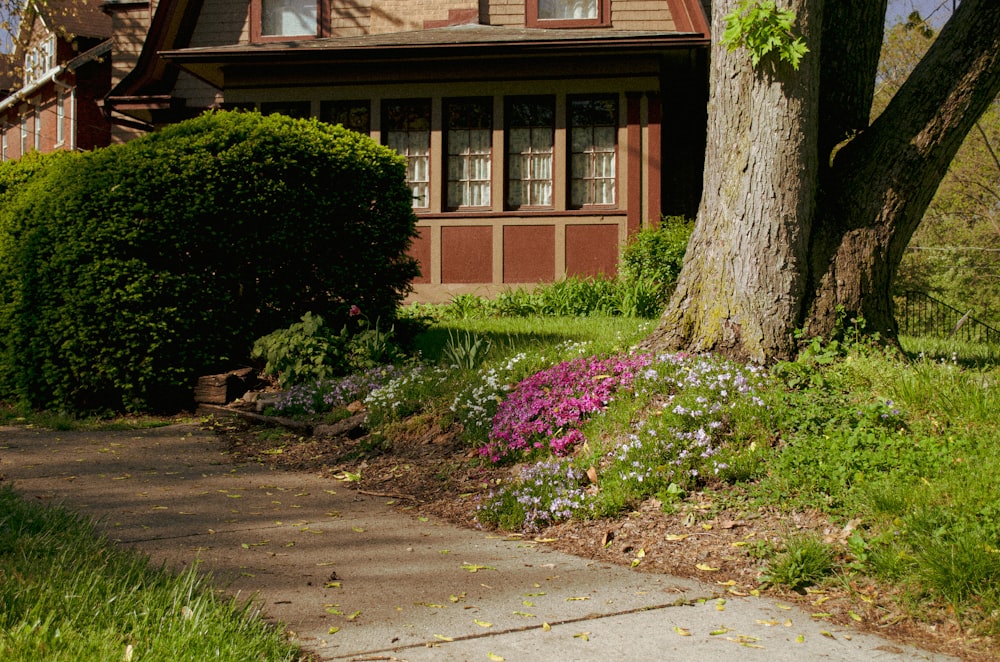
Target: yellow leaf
[(358, 529), (706, 526), (545, 539), (716, 633), (731, 582), (822, 614), (800, 639), (676, 536), (578, 599), (767, 623), (582, 635), (827, 634), (684, 632), (707, 568), (546, 627), (476, 568), (524, 613), (785, 607), (855, 616), (351, 617), (527, 603), (443, 638), (494, 657), (483, 624), (334, 630), (331, 585)]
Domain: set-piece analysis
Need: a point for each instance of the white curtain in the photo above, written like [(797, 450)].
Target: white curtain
[(567, 9), (288, 18)]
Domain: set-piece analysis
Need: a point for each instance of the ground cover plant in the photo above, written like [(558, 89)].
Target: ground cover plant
[(893, 451), (67, 594)]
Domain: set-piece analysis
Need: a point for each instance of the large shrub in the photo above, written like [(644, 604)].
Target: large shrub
[(657, 254), (129, 270)]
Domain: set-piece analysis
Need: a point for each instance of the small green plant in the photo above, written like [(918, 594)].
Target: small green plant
[(306, 351), (465, 350), (805, 561), (763, 29)]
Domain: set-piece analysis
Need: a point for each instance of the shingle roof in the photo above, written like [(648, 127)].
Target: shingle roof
[(468, 34)]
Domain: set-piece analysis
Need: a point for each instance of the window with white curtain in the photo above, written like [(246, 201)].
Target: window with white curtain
[(530, 133), (593, 150), (407, 128), (567, 9), (469, 124), (288, 18)]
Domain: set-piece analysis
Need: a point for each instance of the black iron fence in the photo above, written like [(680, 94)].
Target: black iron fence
[(923, 315)]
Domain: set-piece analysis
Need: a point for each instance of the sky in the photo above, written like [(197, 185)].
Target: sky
[(937, 11)]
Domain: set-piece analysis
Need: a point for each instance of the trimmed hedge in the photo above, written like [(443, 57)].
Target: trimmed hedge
[(128, 271)]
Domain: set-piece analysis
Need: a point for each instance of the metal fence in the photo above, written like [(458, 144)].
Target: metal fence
[(923, 315)]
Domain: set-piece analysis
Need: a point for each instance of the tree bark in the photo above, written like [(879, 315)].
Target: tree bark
[(745, 269), (806, 210)]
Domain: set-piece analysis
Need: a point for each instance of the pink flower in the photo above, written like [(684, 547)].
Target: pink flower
[(355, 311)]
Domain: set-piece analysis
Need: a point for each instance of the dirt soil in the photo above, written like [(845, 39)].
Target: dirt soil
[(427, 470)]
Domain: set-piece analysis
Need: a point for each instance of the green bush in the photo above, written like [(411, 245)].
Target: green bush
[(657, 254), (126, 272), (310, 351)]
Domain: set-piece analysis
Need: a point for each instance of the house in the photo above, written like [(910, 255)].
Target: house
[(52, 98), (540, 134)]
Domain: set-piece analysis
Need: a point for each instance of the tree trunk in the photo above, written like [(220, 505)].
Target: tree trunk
[(745, 269), (785, 240), (881, 183)]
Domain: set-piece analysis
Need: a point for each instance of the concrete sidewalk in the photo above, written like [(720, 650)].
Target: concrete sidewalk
[(354, 579)]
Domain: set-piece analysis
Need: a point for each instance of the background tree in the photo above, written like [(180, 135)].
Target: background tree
[(955, 253), (808, 205)]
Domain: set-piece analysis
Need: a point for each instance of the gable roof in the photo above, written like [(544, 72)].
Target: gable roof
[(81, 18)]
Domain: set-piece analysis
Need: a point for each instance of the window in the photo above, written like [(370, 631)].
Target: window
[(567, 13), (354, 115), (407, 129), (530, 132), (60, 118), (288, 18), (39, 60), (24, 134), (469, 125), (593, 125), (38, 129)]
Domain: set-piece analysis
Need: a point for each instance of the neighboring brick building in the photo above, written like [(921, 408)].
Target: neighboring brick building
[(53, 100), (540, 134)]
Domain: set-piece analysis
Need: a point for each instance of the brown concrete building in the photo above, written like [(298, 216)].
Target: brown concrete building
[(61, 73), (539, 133)]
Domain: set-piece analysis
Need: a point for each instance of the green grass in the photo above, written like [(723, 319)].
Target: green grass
[(66, 593)]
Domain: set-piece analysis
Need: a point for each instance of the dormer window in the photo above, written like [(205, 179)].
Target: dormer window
[(39, 60), (568, 13), (282, 19)]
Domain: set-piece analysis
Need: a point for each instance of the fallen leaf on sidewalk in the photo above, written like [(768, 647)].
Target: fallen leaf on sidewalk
[(476, 568)]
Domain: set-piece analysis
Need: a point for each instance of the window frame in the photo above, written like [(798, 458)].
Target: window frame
[(572, 203), (257, 35), (602, 20), (509, 156), (423, 102), (446, 129)]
